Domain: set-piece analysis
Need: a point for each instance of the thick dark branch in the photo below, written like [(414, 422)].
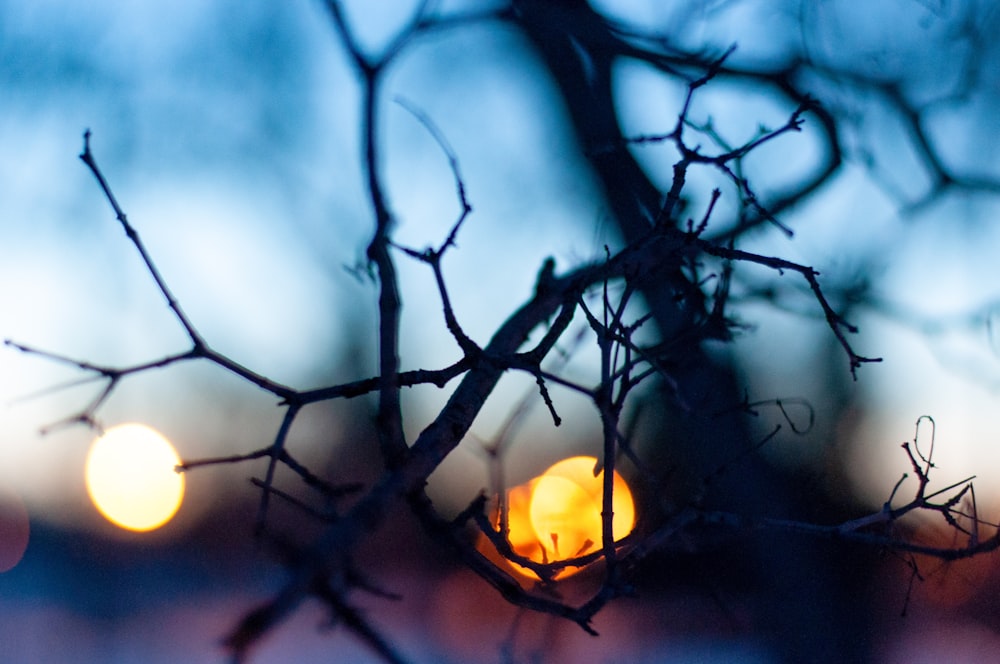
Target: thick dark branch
[(437, 377), (389, 417)]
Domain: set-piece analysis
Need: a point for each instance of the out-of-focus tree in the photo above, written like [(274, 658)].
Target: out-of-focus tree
[(702, 157)]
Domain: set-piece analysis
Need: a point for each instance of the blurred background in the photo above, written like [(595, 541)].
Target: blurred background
[(229, 132)]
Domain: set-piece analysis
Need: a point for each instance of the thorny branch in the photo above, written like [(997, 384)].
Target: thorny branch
[(881, 529), (556, 302), (390, 416), (88, 158), (482, 371), (323, 569)]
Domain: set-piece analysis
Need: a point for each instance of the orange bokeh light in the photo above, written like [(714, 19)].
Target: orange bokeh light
[(557, 516), (952, 583)]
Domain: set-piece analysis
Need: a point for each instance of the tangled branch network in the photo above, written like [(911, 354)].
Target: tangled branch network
[(671, 250)]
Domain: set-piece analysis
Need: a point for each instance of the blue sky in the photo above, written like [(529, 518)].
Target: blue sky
[(228, 132), (229, 137)]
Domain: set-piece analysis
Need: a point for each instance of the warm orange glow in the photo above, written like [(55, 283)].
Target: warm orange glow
[(131, 478), (955, 582), (557, 515)]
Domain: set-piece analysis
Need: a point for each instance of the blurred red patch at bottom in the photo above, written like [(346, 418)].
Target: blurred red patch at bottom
[(14, 530)]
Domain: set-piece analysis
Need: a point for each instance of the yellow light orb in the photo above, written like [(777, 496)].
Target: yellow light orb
[(566, 504), (557, 515), (131, 478)]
